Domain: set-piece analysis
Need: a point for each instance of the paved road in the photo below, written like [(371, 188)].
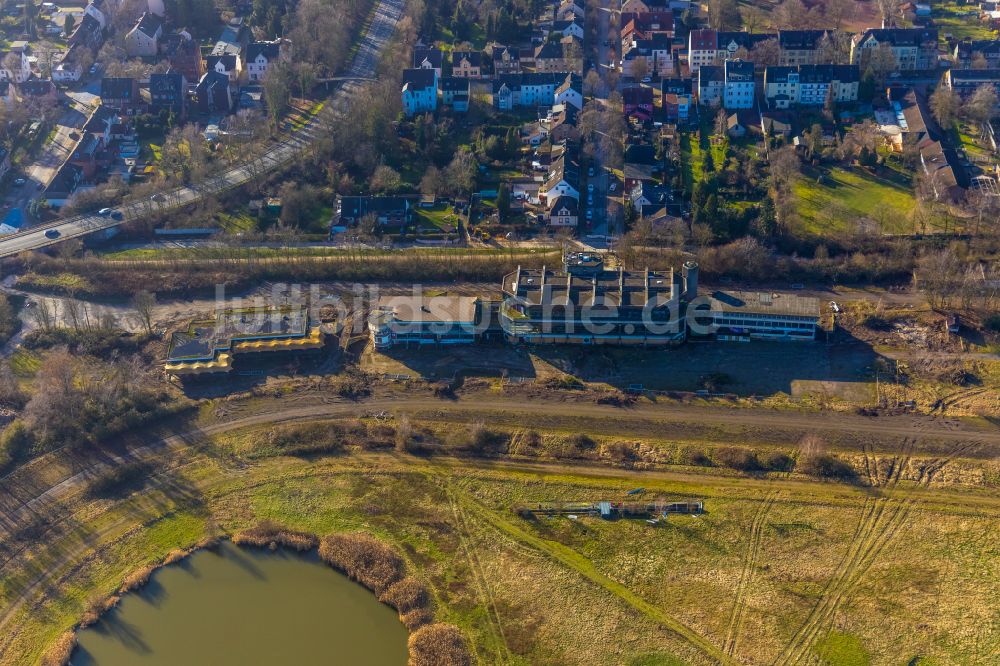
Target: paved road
[(363, 66)]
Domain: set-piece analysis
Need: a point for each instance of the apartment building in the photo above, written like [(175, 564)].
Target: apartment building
[(913, 48), (810, 85)]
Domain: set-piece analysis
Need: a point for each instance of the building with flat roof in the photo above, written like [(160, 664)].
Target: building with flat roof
[(745, 315), (209, 346), (424, 320), (586, 303)]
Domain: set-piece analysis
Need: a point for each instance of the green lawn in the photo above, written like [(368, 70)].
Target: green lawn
[(440, 217), (948, 18), (845, 197)]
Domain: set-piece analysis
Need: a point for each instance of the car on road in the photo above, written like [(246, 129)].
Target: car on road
[(94, 69), (590, 213), (104, 212), (613, 186), (647, 79), (117, 215), (158, 197), (52, 233), (20, 181), (590, 187), (590, 171), (590, 199), (834, 306)]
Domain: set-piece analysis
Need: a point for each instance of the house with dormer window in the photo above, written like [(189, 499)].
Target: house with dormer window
[(420, 90), (259, 56)]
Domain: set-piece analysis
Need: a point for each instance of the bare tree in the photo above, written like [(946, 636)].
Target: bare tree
[(144, 302)]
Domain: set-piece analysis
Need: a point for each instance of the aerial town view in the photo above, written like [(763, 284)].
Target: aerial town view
[(499, 332)]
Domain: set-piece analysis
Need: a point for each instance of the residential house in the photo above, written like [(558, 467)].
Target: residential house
[(63, 185), (143, 40), (89, 31), (810, 85), (739, 85), (965, 82), (420, 90), (711, 47), (677, 108), (637, 102), (467, 64), (940, 163), (259, 56), (736, 125), (656, 51), (214, 93), (168, 92), (640, 165), (15, 66), (569, 9), (549, 58), (67, 72), (183, 55), (392, 212), (644, 25), (649, 198), (711, 85), (39, 89), (570, 91), (568, 27), (506, 60), (985, 51), (913, 48), (227, 64), (800, 47), (564, 211), (563, 127), (120, 94), (776, 124), (427, 58), (455, 93), (564, 174)]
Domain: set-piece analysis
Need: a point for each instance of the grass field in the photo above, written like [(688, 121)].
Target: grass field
[(778, 569), (846, 197), (950, 18)]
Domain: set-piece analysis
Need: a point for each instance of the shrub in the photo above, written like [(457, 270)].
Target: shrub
[(305, 440), (406, 595), (61, 650), (992, 323), (15, 442), (438, 645), (268, 534), (96, 607), (621, 452), (695, 457), (826, 466), (737, 458), (779, 462), (363, 558), (120, 480)]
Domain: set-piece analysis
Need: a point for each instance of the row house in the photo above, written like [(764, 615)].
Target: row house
[(561, 190), (467, 64), (420, 90), (713, 47), (550, 57), (534, 89), (89, 30), (965, 82), (913, 48), (970, 51), (226, 64), (810, 85), (800, 47), (143, 40)]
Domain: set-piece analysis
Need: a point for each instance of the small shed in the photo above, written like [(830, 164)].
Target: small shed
[(605, 509)]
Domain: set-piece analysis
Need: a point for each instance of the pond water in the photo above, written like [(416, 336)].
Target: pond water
[(243, 606)]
